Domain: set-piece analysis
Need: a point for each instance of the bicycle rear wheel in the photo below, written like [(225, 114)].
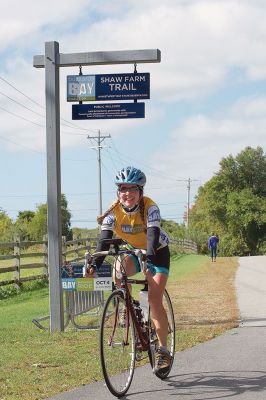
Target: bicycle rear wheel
[(117, 347), (154, 343)]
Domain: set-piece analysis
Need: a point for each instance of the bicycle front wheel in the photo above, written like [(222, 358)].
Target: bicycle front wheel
[(117, 345)]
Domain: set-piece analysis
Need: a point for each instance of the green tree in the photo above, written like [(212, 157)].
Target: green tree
[(66, 216), (6, 228), (246, 216), (232, 203), (22, 224), (246, 170), (38, 224), (174, 230)]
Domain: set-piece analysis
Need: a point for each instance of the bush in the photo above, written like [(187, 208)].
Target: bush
[(230, 245), (11, 290), (262, 248)]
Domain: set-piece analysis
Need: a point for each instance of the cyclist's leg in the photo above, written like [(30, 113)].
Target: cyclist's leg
[(156, 286), (132, 267), (159, 318), (162, 359)]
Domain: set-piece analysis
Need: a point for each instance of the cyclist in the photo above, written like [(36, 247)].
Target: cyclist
[(135, 218)]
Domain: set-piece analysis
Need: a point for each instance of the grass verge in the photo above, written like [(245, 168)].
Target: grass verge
[(36, 365)]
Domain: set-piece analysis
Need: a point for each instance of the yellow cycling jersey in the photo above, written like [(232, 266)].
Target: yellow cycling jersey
[(130, 227)]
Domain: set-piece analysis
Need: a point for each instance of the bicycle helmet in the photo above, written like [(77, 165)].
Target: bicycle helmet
[(130, 175)]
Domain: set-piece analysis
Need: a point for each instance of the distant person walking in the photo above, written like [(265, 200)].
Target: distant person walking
[(212, 245)]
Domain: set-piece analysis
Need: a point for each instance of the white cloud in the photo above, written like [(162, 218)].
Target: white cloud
[(198, 144), (200, 42), (210, 49), (250, 107), (20, 21)]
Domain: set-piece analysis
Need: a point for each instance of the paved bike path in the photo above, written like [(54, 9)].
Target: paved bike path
[(231, 366)]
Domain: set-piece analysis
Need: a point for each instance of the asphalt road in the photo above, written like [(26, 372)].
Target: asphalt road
[(231, 366)]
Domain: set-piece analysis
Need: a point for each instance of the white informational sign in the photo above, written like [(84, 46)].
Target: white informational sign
[(102, 283)]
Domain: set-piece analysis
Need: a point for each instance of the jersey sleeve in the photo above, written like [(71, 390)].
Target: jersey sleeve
[(101, 246), (153, 216), (154, 221), (108, 222), (153, 235)]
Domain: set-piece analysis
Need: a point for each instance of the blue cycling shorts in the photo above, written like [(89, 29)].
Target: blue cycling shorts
[(163, 255)]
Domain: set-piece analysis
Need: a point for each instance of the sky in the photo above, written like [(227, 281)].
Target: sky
[(208, 98)]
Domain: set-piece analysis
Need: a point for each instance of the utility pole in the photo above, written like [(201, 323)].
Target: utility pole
[(188, 198), (99, 139)]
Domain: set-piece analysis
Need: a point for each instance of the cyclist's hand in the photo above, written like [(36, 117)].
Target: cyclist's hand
[(148, 275), (90, 271)]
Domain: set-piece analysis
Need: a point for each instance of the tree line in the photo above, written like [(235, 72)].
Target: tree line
[(32, 225), (231, 204)]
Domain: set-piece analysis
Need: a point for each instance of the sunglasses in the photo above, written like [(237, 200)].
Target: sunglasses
[(125, 189)]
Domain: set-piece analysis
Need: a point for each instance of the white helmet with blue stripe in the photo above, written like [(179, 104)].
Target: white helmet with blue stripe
[(130, 176)]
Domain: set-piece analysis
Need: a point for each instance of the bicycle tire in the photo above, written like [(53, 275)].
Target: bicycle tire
[(117, 357), (154, 343)]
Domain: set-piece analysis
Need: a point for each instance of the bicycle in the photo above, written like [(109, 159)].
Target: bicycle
[(123, 343)]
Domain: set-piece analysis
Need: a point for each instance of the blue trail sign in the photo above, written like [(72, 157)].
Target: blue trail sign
[(108, 87), (108, 111)]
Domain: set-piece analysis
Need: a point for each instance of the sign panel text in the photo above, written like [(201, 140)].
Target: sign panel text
[(108, 111), (108, 87)]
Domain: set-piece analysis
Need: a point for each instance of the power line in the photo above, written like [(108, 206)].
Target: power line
[(112, 160), (114, 146), (29, 98), (36, 123), (67, 123), (19, 116), (21, 145), (157, 172), (154, 171), (22, 105)]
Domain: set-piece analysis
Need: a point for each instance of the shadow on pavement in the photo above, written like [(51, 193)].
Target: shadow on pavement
[(211, 385)]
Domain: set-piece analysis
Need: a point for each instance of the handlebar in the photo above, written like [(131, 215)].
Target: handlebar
[(115, 250)]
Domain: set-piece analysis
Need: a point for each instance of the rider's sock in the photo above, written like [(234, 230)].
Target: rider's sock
[(164, 349)]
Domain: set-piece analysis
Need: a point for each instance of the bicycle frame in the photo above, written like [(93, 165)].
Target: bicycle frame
[(142, 335)]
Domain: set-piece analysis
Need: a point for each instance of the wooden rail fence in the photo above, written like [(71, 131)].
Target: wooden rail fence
[(72, 251), (184, 245)]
